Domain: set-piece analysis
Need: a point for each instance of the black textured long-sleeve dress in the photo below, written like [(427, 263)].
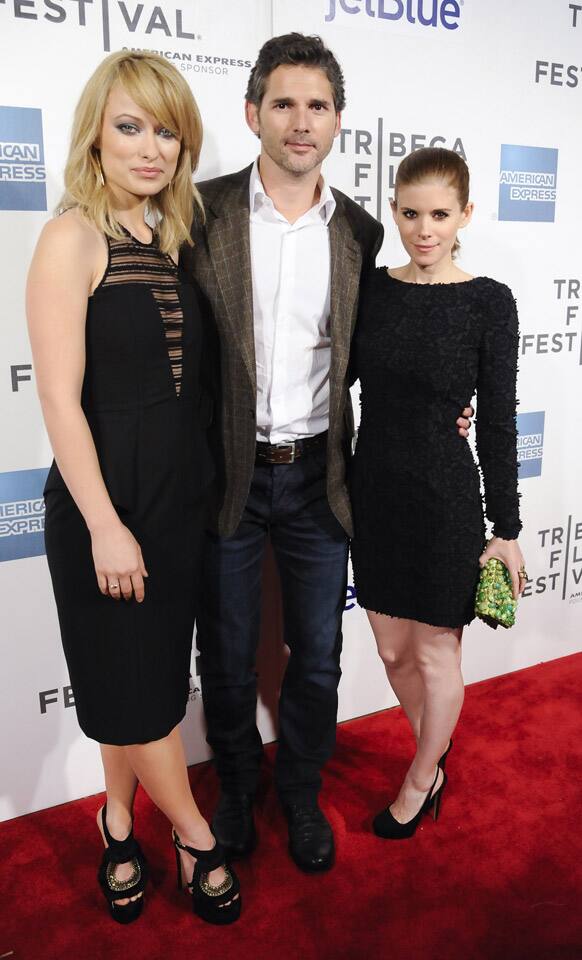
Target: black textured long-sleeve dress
[(420, 352)]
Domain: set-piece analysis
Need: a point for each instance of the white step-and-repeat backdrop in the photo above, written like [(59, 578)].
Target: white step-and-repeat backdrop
[(501, 83)]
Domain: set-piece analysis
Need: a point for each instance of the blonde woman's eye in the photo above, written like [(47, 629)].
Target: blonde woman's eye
[(167, 134), (129, 128)]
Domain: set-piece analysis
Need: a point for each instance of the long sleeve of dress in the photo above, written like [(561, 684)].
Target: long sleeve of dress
[(496, 403)]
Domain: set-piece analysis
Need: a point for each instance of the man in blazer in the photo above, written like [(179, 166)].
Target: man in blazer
[(280, 259)]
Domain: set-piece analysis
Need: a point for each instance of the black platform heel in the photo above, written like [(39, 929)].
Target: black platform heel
[(212, 904), (122, 851), (387, 827), (443, 760)]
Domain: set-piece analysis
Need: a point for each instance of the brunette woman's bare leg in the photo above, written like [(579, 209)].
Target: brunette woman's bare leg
[(423, 664), (395, 648)]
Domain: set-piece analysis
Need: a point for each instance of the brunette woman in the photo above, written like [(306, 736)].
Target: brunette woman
[(429, 335)]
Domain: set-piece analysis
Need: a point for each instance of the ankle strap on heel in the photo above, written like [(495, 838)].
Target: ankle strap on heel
[(206, 860), (119, 851), (122, 851)]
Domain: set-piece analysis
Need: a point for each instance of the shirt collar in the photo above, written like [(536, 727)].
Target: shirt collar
[(257, 196)]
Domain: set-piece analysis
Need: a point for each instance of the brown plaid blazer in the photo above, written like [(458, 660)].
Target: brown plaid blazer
[(221, 261)]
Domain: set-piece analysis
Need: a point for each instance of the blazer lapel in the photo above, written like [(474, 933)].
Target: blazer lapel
[(230, 252), (346, 264)]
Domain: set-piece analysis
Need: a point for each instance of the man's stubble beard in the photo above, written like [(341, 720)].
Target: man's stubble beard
[(286, 163)]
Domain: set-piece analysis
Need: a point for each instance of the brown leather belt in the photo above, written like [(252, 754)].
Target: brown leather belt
[(289, 451)]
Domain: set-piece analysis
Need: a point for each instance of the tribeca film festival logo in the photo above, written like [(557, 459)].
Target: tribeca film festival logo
[(527, 183), (22, 169), (566, 341), (530, 443), (562, 562), (22, 514), (376, 155), (426, 13), (118, 19), (558, 74), (154, 18)]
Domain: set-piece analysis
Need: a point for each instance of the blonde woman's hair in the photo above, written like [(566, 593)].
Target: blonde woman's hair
[(158, 88)]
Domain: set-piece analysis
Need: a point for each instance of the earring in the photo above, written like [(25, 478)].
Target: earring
[(100, 170)]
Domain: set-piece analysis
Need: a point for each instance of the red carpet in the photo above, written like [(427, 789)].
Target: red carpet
[(499, 877)]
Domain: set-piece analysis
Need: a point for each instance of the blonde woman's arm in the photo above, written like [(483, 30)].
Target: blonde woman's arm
[(67, 262)]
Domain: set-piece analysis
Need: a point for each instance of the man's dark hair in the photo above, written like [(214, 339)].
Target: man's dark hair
[(295, 49)]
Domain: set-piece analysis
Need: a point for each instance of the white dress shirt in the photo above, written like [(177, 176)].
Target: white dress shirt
[(291, 302)]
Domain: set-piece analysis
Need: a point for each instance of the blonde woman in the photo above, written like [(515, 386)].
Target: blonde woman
[(117, 338)]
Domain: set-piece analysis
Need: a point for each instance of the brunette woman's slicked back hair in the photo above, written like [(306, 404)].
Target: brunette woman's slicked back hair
[(435, 163), (161, 90), (297, 50)]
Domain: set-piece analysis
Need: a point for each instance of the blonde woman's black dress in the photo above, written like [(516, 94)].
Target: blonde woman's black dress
[(421, 351), (129, 662)]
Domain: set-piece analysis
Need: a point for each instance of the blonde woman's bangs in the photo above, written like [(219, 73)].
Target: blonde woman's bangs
[(155, 94)]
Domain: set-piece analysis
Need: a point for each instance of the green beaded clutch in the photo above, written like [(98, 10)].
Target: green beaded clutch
[(494, 603)]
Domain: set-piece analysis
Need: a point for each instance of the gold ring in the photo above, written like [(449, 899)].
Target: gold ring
[(521, 573), (114, 586)]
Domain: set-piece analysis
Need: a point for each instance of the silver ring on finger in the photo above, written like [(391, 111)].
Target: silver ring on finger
[(114, 586)]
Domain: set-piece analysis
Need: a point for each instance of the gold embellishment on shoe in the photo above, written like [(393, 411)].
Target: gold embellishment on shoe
[(119, 886), (223, 887)]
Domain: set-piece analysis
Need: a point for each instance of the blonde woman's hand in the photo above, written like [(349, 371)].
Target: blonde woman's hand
[(509, 552), (119, 563)]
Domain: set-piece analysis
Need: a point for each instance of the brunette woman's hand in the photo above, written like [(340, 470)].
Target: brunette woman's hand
[(464, 421), (119, 563), (509, 552)]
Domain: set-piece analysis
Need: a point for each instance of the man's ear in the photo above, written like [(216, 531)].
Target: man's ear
[(252, 117)]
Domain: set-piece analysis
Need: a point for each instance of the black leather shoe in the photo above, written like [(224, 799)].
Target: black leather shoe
[(233, 824), (311, 842)]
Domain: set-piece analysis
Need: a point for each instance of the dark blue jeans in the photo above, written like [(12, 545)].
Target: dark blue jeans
[(289, 504)]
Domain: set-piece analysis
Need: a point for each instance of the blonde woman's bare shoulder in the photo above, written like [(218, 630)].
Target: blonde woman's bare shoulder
[(71, 247), (71, 227)]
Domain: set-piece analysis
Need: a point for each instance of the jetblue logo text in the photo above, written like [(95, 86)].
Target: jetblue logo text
[(22, 514), (530, 443), (527, 183), (426, 13), (22, 169)]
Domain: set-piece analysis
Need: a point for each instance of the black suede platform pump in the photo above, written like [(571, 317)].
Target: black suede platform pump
[(387, 827), (122, 851), (213, 904)]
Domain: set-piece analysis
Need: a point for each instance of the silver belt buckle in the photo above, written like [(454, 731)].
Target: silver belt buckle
[(289, 445)]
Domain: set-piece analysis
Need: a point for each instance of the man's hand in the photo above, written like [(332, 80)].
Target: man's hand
[(464, 422)]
